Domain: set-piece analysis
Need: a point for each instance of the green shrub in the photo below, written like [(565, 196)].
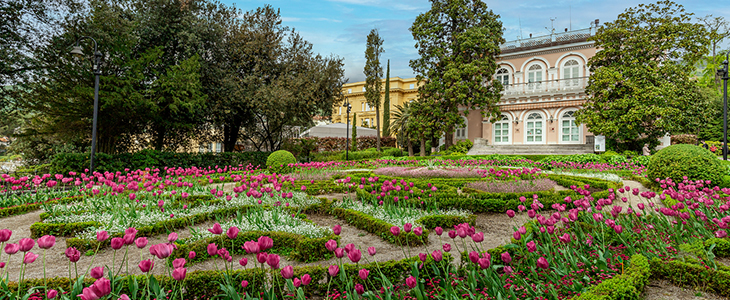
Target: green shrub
[(641, 160), (681, 160), (462, 146), (629, 285), (280, 159)]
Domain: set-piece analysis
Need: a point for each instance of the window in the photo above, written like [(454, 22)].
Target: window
[(534, 77), (503, 77), (202, 148), (363, 89), (534, 130), (218, 147), (340, 109), (367, 107), (569, 130), (349, 91), (362, 106), (501, 131), (460, 133), (571, 69), (412, 86)]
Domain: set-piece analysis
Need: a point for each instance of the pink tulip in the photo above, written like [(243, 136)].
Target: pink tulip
[(102, 236), (371, 251), (217, 229), (172, 237), (51, 294), (273, 261), (97, 272), (26, 244), (251, 247), (478, 237), (178, 263), (117, 243), (179, 274), (306, 279), (438, 231), (437, 255), (474, 257), (484, 263), (72, 254), (141, 242), (506, 258), (354, 255), (359, 289), (232, 232), (531, 246), (333, 270), (261, 257), (363, 274), (191, 255), (447, 247), (243, 262), (265, 243), (29, 258), (146, 265), (407, 227), (395, 230), (244, 283), (720, 234), (337, 229), (511, 213), (542, 263), (212, 249), (287, 272), (331, 245), (411, 282), (88, 294), (46, 241), (5, 235)]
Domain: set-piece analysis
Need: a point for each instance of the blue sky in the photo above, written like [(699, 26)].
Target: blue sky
[(340, 27)]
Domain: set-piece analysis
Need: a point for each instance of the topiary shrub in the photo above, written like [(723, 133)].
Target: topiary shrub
[(280, 159), (681, 160)]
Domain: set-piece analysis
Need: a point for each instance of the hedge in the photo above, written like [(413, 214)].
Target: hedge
[(379, 227), (693, 275), (28, 207), (63, 163), (299, 247), (205, 284), (626, 286)]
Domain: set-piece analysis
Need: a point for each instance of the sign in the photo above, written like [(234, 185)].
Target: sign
[(600, 143)]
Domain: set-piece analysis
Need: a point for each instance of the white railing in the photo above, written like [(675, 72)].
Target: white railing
[(549, 39), (545, 87)]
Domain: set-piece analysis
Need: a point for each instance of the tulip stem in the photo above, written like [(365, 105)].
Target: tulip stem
[(45, 280)]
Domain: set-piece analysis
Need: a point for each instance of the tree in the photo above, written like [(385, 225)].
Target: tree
[(373, 72), (399, 126), (718, 29), (386, 103), (641, 85), (354, 132), (458, 42)]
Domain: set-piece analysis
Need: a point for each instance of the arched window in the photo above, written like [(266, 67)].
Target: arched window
[(534, 125), (534, 76), (571, 69), (460, 133), (569, 131), (501, 131), (503, 77)]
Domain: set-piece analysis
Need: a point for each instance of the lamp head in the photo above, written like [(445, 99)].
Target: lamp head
[(76, 51)]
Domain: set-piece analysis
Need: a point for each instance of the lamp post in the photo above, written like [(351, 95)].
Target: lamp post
[(96, 68), (347, 130)]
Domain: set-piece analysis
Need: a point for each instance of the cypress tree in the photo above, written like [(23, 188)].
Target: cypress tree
[(354, 132), (386, 103)]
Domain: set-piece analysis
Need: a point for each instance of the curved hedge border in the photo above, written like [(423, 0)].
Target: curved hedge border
[(302, 248), (378, 227), (28, 207), (693, 275), (629, 285)]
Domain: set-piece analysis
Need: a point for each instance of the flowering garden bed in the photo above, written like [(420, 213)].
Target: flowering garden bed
[(593, 240)]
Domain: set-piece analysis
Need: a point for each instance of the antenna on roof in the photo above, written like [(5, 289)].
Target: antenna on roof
[(552, 21), (570, 14), (519, 20)]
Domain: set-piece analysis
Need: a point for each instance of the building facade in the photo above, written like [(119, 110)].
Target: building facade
[(544, 81), (401, 91)]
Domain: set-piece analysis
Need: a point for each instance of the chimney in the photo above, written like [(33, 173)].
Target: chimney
[(530, 34), (566, 29), (596, 22)]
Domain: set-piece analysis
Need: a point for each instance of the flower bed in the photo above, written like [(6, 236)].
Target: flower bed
[(518, 186)]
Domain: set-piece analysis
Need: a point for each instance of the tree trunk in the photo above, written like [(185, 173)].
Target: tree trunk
[(377, 124), (423, 147), (449, 138), (434, 144), (230, 134), (410, 147), (160, 138)]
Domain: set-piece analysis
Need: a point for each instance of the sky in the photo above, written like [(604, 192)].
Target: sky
[(340, 27)]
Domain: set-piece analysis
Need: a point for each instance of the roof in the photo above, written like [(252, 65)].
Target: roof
[(337, 130)]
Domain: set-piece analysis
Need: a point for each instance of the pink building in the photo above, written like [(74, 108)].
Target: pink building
[(544, 82)]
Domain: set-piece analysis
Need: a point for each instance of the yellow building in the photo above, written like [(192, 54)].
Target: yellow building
[(401, 91)]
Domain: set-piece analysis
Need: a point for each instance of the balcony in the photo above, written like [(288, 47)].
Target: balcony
[(545, 87), (558, 38)]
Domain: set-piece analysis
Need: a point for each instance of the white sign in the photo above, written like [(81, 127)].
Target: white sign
[(600, 143)]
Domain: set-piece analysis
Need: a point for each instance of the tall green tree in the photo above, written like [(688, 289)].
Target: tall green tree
[(641, 86), (399, 126), (458, 43), (386, 103), (354, 132), (373, 74), (718, 29)]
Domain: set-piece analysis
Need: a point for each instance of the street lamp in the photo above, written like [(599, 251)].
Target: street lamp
[(347, 129), (96, 68)]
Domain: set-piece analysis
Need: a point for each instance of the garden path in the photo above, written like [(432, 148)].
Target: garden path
[(664, 290)]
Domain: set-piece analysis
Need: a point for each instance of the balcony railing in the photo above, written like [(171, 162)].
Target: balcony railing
[(545, 87), (546, 40)]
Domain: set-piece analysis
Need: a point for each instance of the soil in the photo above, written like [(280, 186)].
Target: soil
[(664, 290), (497, 228)]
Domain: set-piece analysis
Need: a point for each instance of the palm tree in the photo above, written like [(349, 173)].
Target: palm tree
[(399, 124)]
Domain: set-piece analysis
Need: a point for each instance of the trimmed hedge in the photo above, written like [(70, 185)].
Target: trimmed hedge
[(677, 161), (63, 163), (629, 285), (378, 227), (29, 207), (693, 275), (300, 248)]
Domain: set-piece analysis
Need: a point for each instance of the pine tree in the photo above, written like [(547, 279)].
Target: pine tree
[(373, 73), (354, 132), (386, 103)]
